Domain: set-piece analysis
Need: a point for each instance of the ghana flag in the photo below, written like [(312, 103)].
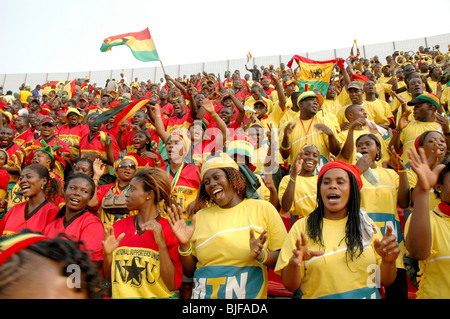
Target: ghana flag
[(140, 43), (122, 111), (69, 88), (314, 74), (249, 56)]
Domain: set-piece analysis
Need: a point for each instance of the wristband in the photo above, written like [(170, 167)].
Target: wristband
[(292, 180), (286, 148), (185, 253), (264, 258), (403, 170)]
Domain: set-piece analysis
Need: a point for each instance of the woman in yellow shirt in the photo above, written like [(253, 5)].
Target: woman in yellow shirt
[(426, 231), (380, 200), (232, 240), (335, 251)]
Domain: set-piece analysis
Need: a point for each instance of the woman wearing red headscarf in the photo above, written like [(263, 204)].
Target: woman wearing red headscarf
[(336, 251)]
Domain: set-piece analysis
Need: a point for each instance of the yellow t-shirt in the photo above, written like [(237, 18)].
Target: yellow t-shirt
[(385, 108), (274, 117), (400, 84), (288, 116), (380, 203), (331, 106), (383, 79), (397, 105), (251, 101), (259, 159), (263, 191), (445, 97), (332, 275), (305, 133), (305, 195), (433, 85), (330, 116), (383, 88), (24, 96), (343, 98), (225, 268), (434, 277), (411, 132), (342, 137), (374, 113)]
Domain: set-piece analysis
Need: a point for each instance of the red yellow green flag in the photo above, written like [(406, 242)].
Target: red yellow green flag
[(315, 74), (140, 43), (122, 111), (70, 88), (249, 56)]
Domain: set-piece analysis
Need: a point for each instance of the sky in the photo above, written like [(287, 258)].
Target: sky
[(49, 36)]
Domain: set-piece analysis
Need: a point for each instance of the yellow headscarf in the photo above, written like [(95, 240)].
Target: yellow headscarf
[(220, 161), (120, 160)]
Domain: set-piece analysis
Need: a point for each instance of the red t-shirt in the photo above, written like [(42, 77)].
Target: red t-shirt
[(114, 132), (4, 179), (24, 137), (85, 227), (174, 122), (73, 135), (96, 146), (14, 220)]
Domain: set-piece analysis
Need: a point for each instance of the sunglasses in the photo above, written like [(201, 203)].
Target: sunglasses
[(125, 165)]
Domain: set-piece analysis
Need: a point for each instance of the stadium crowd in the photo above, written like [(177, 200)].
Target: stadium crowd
[(227, 185)]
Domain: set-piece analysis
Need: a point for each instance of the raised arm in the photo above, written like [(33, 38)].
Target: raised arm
[(177, 84), (402, 123), (154, 112), (208, 106), (280, 91), (418, 238)]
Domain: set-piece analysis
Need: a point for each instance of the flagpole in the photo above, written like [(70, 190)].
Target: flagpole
[(162, 66)]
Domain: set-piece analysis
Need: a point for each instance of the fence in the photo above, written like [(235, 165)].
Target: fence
[(13, 81)]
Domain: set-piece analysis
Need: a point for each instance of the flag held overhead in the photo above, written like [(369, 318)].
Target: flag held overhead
[(140, 43), (122, 111), (314, 74)]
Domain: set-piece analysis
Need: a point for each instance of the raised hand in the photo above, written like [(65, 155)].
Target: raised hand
[(111, 242), (324, 128), (442, 120), (357, 123), (403, 121), (98, 167), (208, 106), (289, 128), (388, 247), (257, 244), (302, 252), (395, 160), (181, 230), (156, 228), (268, 181), (364, 163), (426, 177), (297, 165)]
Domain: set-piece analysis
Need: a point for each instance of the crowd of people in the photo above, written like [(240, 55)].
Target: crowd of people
[(213, 184)]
